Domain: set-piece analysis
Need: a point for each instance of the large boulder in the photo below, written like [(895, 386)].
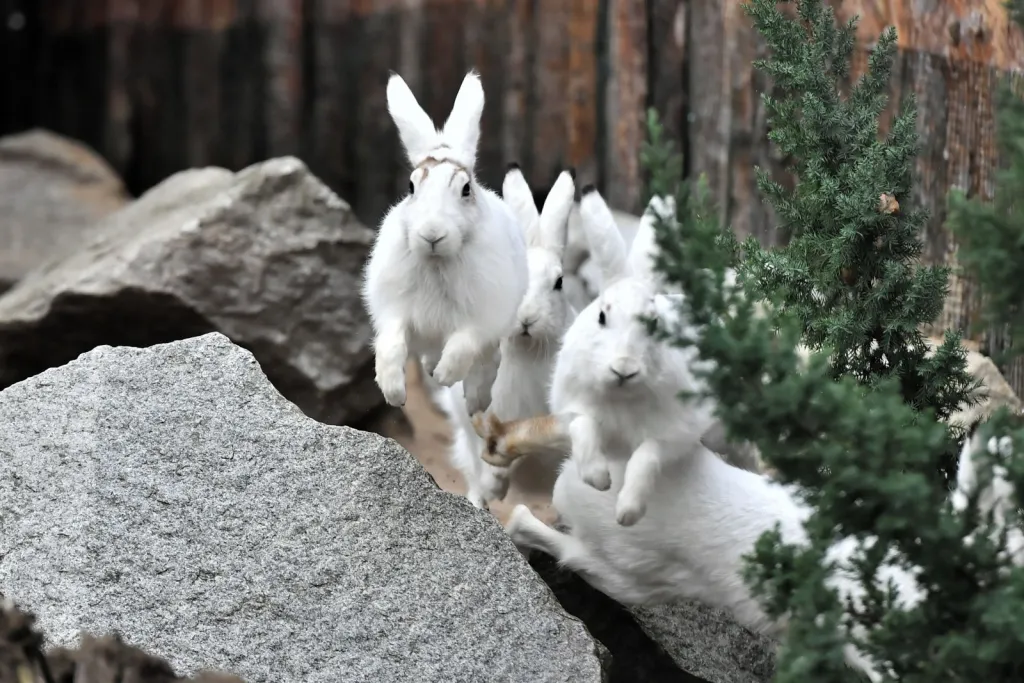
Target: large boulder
[(269, 256), (993, 390), (172, 494), (51, 190), (669, 643)]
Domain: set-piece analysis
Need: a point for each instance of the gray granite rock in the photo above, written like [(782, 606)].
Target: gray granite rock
[(678, 643), (269, 256), (52, 190), (707, 643), (172, 494)]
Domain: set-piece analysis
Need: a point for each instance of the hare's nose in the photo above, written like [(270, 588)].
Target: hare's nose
[(625, 369), (625, 377), (432, 241)]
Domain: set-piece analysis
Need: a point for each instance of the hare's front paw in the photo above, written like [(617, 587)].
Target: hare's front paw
[(629, 509), (452, 368), (391, 380), (478, 397), (428, 362), (594, 472)]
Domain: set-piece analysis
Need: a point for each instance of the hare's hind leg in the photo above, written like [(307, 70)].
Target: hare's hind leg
[(527, 531)]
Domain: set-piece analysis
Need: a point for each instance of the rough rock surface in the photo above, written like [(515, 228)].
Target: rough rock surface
[(269, 256), (993, 392), (707, 643), (172, 494), (52, 189), (679, 643), (24, 658)]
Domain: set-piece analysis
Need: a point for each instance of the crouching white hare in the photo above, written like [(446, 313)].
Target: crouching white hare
[(692, 516), (448, 269), (703, 516), (616, 385), (528, 354)]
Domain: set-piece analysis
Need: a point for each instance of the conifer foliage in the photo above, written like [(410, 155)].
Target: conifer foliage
[(858, 438), (849, 272), (991, 234)]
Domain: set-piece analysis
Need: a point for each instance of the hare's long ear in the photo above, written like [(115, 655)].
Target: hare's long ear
[(607, 247), (462, 129), (644, 247), (554, 217), (516, 193), (416, 130)]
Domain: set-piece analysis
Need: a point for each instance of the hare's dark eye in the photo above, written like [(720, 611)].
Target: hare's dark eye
[(558, 284), (412, 188), (600, 318), (465, 190)]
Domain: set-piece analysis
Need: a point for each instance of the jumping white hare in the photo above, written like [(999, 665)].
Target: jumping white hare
[(616, 384), (448, 269), (528, 354)]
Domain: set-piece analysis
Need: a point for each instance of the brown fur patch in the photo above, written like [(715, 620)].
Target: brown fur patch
[(518, 437)]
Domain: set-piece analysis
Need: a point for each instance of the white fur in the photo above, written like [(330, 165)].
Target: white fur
[(637, 461), (702, 517), (447, 272), (996, 498), (631, 419), (527, 356)]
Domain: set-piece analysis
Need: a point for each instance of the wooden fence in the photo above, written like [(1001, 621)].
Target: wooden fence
[(161, 85)]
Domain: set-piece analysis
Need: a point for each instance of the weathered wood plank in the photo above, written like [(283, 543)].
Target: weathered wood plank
[(626, 99), (486, 49), (282, 22), (517, 129), (705, 48), (582, 90), (551, 83), (668, 70), (19, 50), (157, 86)]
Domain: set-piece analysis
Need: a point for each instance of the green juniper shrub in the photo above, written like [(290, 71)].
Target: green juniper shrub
[(850, 271), (860, 457), (858, 438)]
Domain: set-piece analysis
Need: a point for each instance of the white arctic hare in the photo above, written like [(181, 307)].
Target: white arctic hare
[(616, 383), (998, 495), (528, 354), (448, 269), (703, 516)]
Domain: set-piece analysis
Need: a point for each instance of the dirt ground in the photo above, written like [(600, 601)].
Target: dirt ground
[(423, 430)]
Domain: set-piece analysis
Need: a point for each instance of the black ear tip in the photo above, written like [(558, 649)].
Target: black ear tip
[(572, 172), (512, 166), (587, 189)]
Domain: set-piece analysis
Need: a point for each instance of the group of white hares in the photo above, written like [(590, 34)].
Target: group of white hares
[(470, 283)]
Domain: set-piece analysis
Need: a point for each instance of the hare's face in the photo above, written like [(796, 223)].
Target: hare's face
[(544, 310), (609, 346), (441, 209)]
